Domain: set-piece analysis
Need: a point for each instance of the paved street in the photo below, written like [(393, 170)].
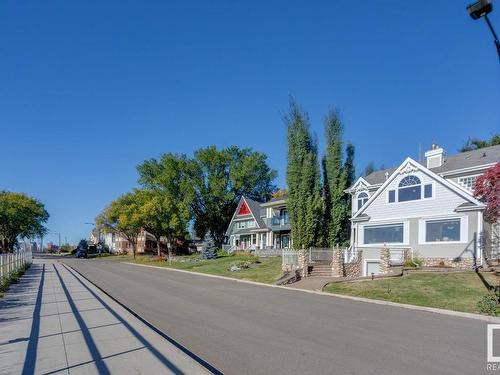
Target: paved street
[(249, 329), (56, 322)]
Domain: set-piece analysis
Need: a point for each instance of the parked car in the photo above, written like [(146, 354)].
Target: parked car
[(80, 253)]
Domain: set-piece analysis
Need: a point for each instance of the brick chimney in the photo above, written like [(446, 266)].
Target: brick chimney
[(434, 156)]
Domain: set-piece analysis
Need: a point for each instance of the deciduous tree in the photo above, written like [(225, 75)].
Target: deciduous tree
[(304, 201), (334, 180), (487, 189), (219, 178), (167, 197), (476, 143), (21, 216), (123, 216)]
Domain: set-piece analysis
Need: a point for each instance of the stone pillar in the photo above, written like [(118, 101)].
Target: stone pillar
[(338, 263), (303, 262), (385, 261)]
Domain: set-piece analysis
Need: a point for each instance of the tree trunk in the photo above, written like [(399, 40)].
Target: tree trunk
[(133, 250), (158, 246)]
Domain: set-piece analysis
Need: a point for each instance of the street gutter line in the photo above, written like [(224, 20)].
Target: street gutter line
[(200, 361), (460, 314)]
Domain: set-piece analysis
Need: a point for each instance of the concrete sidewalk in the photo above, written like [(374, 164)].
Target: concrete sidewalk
[(54, 321)]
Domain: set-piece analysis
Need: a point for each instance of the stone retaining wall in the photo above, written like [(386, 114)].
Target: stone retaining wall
[(354, 269), (461, 263)]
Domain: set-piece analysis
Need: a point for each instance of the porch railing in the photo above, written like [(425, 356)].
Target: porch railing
[(12, 262), (398, 255), (350, 254)]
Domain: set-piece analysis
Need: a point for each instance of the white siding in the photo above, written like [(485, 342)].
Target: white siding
[(443, 201)]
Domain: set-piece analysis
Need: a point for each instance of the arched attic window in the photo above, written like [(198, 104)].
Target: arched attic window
[(409, 189), (362, 199)]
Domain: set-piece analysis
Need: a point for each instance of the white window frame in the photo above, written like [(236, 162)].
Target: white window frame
[(422, 230), (406, 233), (422, 193), (468, 176), (358, 198), (365, 265)]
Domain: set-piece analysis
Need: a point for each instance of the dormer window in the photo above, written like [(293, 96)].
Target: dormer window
[(362, 199)]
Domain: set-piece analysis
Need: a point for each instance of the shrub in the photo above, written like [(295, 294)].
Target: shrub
[(244, 264), (413, 263), (488, 304), (242, 253)]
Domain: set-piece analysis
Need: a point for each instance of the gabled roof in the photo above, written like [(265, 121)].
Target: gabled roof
[(410, 164), (463, 160), (254, 207), (378, 177), (359, 182)]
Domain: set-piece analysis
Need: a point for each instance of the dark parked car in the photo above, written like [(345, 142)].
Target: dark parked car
[(80, 253)]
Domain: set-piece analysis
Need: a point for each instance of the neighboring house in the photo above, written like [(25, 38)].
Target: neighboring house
[(257, 225), (426, 208), (118, 244)]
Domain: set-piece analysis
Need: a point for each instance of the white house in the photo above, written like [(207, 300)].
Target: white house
[(426, 208)]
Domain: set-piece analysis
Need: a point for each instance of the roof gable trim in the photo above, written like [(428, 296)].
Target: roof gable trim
[(410, 166)]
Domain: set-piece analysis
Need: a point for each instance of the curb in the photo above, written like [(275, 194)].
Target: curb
[(459, 314)]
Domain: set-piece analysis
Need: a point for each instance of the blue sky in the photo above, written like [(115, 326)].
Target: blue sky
[(90, 89)]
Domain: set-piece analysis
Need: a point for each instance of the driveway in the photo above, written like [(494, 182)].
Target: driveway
[(241, 328)]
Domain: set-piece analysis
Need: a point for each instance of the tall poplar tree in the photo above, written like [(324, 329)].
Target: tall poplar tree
[(334, 180), (350, 171), (304, 201)]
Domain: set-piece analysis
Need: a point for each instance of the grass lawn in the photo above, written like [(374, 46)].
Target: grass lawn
[(265, 270), (454, 291)]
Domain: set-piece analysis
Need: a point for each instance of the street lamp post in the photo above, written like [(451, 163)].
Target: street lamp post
[(480, 9)]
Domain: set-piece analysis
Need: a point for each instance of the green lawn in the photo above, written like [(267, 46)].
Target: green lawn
[(454, 291), (264, 270)]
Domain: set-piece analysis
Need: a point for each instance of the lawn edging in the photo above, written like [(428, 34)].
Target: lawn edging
[(460, 314)]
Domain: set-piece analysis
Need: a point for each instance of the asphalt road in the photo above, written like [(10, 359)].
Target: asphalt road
[(241, 328)]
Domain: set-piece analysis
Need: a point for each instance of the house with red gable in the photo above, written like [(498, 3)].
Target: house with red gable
[(256, 225)]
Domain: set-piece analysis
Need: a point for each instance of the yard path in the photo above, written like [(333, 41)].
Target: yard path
[(242, 328)]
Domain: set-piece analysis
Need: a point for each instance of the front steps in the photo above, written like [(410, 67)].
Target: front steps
[(321, 269)]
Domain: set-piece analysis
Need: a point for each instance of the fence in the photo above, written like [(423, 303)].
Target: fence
[(264, 253), (12, 262), (289, 257)]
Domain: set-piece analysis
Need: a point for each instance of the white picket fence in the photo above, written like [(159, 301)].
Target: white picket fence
[(12, 262)]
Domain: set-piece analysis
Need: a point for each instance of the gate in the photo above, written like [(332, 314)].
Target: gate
[(317, 254)]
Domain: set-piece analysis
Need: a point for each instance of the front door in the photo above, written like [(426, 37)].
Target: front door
[(285, 241), (245, 242)]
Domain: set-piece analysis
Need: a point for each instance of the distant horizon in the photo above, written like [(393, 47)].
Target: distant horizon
[(90, 90)]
